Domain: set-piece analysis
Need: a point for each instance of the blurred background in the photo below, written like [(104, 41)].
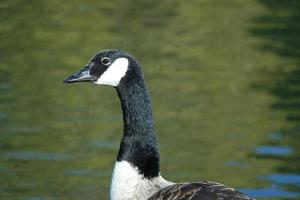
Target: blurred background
[(224, 79)]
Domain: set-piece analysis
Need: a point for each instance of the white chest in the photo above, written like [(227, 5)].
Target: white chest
[(128, 184)]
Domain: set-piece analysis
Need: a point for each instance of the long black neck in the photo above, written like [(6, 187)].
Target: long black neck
[(138, 144)]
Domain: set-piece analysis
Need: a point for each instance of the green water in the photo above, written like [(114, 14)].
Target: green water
[(224, 79)]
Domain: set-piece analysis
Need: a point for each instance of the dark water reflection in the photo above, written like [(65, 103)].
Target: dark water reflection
[(223, 78), (279, 30)]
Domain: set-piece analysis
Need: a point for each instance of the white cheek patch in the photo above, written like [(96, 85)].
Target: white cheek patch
[(115, 72)]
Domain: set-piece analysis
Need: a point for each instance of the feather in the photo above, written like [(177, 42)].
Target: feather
[(205, 190)]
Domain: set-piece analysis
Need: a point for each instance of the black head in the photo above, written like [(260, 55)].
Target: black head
[(107, 67)]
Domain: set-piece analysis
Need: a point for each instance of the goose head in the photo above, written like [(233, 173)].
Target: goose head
[(108, 67)]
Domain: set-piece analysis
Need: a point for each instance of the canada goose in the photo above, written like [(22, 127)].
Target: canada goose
[(136, 174)]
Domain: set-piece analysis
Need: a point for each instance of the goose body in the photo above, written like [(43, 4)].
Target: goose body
[(136, 174)]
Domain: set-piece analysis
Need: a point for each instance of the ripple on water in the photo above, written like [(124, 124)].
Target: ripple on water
[(7, 171), (85, 172), (5, 86), (39, 198), (34, 155), (236, 164), (281, 178), (276, 136), (269, 192), (273, 150), (26, 129), (3, 116), (104, 144)]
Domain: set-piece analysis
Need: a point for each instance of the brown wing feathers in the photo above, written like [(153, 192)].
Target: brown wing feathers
[(199, 191)]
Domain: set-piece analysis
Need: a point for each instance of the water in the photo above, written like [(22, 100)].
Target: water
[(271, 192), (273, 150), (283, 178), (223, 77)]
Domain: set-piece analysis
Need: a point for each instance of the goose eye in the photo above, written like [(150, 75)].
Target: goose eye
[(105, 61)]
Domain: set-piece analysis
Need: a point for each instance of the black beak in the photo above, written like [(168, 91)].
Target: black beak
[(80, 76)]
